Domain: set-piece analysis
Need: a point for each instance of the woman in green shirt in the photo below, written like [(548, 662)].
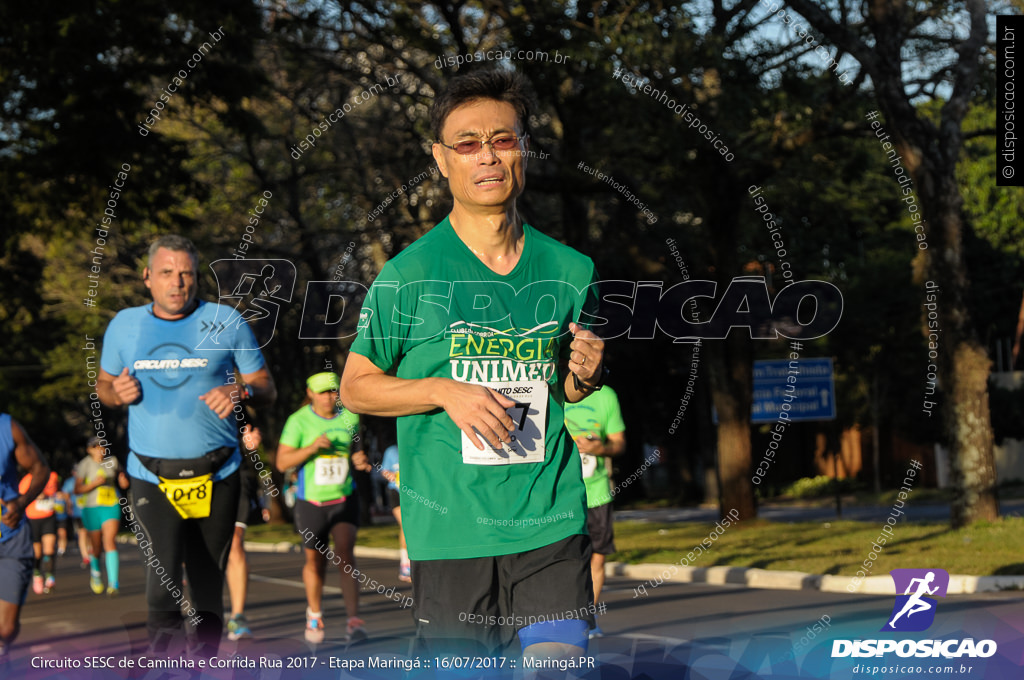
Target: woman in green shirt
[(322, 440)]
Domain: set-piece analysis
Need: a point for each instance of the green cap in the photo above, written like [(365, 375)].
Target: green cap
[(323, 382)]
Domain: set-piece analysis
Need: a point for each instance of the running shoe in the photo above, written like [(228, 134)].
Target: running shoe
[(405, 573), (238, 627), (49, 583), (356, 629), (37, 583), (596, 632), (95, 582), (314, 628), (113, 591)]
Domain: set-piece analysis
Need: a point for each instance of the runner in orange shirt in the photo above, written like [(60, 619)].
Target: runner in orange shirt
[(40, 513)]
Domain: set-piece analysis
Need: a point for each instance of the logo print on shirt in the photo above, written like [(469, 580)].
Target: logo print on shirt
[(169, 365)]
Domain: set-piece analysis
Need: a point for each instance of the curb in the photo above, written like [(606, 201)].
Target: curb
[(795, 580)]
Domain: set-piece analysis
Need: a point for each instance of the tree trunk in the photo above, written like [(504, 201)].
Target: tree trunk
[(930, 151), (731, 372), (963, 363)]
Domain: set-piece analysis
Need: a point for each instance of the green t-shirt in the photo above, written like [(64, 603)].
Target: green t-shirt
[(325, 476), (598, 415), (436, 310)]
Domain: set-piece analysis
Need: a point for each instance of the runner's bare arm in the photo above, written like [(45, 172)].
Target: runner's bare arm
[(290, 456), (81, 487), (612, 446), (261, 386), (118, 390), (367, 389), (360, 461), (28, 457)]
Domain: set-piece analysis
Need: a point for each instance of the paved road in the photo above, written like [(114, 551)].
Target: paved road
[(709, 630)]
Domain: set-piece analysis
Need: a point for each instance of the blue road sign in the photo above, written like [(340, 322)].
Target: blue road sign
[(814, 390)]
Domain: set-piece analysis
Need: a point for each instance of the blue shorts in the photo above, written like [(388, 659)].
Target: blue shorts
[(95, 518), (16, 562)]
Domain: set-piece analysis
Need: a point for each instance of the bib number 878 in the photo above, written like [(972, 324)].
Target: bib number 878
[(186, 494)]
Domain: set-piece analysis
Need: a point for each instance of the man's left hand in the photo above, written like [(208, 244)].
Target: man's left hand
[(586, 355), (219, 399)]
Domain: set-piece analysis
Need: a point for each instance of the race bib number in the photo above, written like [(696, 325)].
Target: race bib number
[(105, 495), (44, 504), (330, 470), (190, 497), (589, 465), (526, 443)]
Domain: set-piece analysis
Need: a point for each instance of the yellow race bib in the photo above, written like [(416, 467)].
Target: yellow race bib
[(106, 496), (190, 497)]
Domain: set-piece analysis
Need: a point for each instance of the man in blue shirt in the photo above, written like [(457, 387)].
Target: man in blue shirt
[(16, 558), (184, 411)]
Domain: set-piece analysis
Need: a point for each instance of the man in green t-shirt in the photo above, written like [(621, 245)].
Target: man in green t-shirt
[(596, 425), (475, 335)]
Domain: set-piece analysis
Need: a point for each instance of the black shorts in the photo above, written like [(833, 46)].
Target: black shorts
[(599, 526), (42, 527), (320, 519), (487, 600), (394, 498)]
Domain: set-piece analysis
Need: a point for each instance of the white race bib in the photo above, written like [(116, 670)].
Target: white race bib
[(526, 443), (44, 504), (589, 465), (330, 470)]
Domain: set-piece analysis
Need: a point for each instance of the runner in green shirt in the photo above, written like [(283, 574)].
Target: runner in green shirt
[(596, 425), (476, 335), (322, 439)]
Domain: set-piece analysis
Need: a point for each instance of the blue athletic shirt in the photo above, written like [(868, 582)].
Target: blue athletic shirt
[(69, 488), (170, 421), (8, 473)]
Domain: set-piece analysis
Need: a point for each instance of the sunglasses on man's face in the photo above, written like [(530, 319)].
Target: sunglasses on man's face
[(504, 142)]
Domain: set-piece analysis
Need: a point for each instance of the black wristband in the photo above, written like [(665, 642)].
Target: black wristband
[(590, 388)]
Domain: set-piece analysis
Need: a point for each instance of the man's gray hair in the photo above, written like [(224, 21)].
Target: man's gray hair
[(173, 242)]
